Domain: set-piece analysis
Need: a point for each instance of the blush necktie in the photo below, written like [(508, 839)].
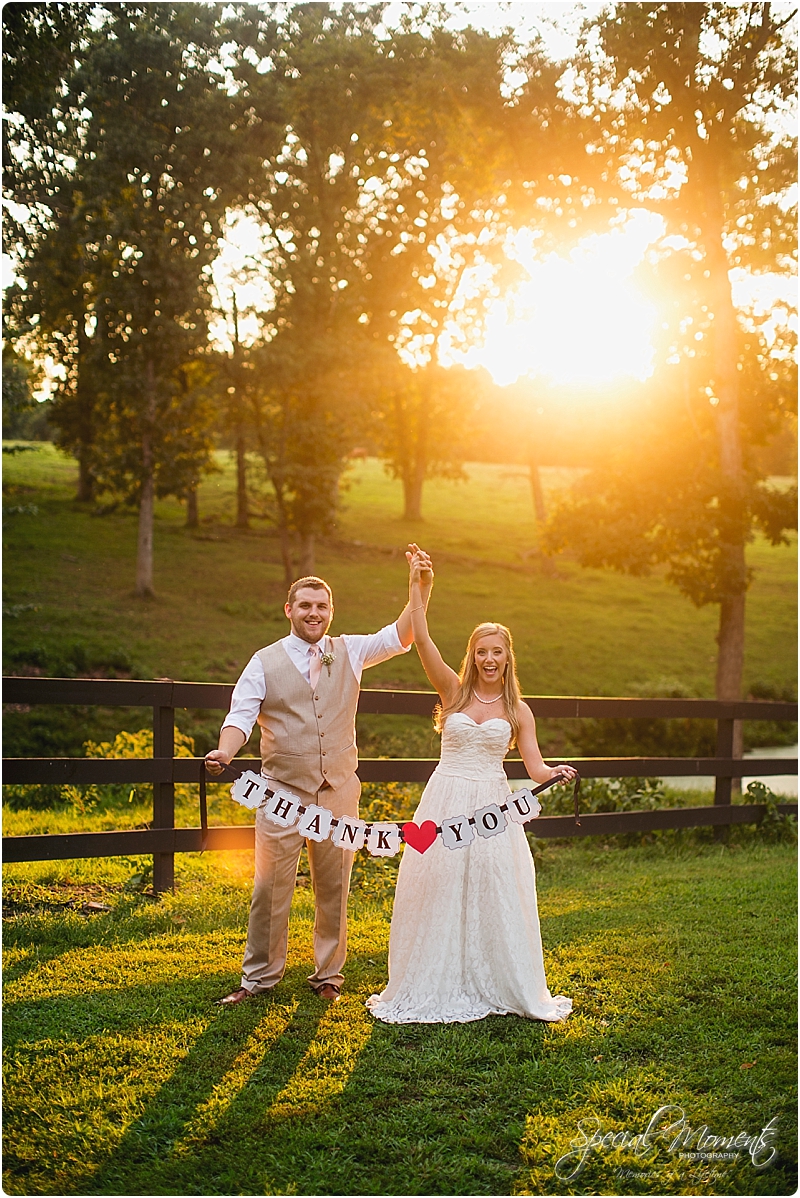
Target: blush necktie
[(314, 666)]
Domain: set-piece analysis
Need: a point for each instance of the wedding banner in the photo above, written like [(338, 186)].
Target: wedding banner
[(383, 839)]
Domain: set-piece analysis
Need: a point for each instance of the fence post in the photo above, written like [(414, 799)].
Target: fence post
[(164, 796), (723, 785)]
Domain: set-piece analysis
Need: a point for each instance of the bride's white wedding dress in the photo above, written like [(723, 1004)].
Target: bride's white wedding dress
[(465, 940)]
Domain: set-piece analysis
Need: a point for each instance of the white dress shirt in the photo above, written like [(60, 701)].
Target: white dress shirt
[(362, 650)]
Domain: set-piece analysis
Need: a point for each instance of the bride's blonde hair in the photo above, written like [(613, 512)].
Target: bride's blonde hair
[(468, 678)]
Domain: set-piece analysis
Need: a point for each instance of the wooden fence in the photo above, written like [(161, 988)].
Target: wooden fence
[(163, 770)]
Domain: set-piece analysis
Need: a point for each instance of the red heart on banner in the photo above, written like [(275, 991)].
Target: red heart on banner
[(420, 836)]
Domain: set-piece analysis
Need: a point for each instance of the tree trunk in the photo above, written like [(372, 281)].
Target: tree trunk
[(412, 427), (144, 546), (307, 559), (85, 421), (192, 513), (242, 508), (730, 642), (289, 574), (412, 496), (242, 511), (275, 475), (730, 655), (85, 477), (733, 529), (537, 494), (283, 532), (730, 662)]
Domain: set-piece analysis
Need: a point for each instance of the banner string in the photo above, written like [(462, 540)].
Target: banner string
[(236, 773)]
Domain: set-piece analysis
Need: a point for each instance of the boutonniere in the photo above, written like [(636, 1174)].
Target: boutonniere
[(328, 659)]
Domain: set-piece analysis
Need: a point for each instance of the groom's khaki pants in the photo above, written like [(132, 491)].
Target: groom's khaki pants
[(277, 854)]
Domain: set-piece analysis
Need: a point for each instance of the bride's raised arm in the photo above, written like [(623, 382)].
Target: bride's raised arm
[(442, 678)]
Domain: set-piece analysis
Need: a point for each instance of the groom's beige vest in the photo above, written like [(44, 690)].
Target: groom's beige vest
[(308, 738)]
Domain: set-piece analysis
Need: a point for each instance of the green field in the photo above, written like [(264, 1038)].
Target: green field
[(122, 1077), (70, 607)]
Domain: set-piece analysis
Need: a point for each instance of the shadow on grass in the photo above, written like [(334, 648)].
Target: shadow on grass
[(241, 1060), (74, 1017), (448, 1113), (333, 1102)]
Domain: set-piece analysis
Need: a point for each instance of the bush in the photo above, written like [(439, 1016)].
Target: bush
[(83, 799), (607, 794), (74, 661), (647, 738), (33, 798), (389, 801), (775, 826), (761, 733), (681, 737)]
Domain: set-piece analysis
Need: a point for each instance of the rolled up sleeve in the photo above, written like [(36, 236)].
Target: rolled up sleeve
[(248, 695), (371, 649)]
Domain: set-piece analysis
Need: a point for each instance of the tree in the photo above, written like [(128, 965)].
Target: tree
[(426, 418), (374, 203), (233, 406), (136, 217), (305, 404), (160, 146), (23, 416), (527, 412), (681, 108), (239, 422), (48, 227), (154, 439), (660, 499), (64, 271)]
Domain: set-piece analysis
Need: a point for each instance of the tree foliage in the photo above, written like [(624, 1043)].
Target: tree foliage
[(24, 417), (660, 496), (132, 167), (374, 201)]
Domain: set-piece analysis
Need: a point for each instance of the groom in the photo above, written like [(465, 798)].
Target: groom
[(303, 691)]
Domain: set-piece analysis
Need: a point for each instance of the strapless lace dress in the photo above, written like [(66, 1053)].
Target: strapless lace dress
[(465, 940)]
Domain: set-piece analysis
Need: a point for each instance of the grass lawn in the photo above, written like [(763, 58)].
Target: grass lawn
[(122, 1077)]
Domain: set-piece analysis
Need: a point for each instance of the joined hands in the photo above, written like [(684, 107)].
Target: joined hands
[(419, 565)]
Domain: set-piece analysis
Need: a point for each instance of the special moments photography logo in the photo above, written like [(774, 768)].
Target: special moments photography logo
[(667, 1127)]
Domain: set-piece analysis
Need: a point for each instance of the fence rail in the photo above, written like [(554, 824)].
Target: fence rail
[(164, 770), (113, 692)]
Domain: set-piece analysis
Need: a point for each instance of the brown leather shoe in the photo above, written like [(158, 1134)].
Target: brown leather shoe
[(329, 991), (230, 1000)]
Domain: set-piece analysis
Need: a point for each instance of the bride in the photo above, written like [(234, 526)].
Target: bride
[(465, 940)]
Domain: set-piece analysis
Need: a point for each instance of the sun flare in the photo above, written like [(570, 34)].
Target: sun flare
[(578, 320)]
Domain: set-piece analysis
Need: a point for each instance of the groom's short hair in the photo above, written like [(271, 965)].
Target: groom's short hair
[(311, 580)]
